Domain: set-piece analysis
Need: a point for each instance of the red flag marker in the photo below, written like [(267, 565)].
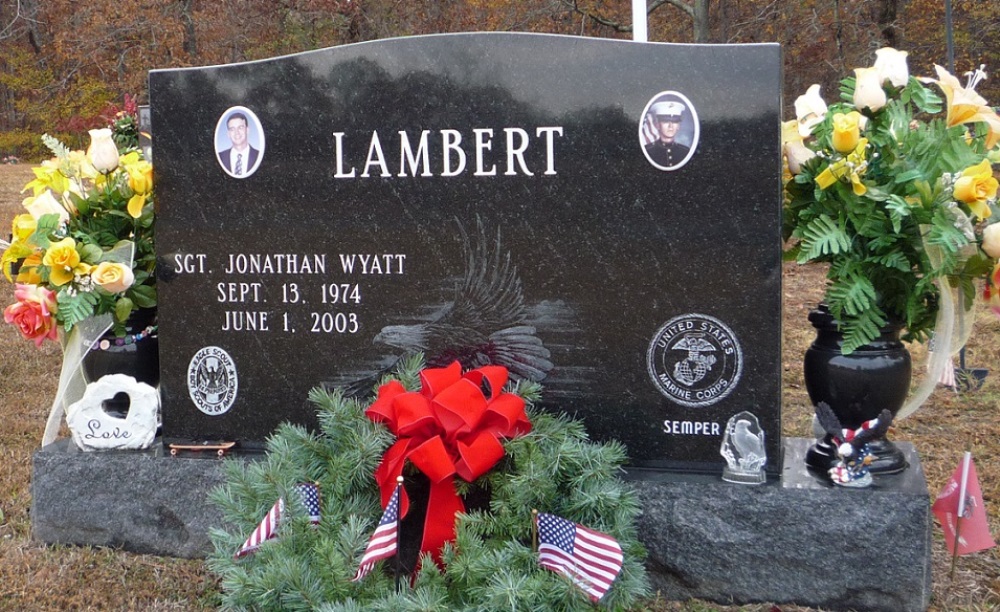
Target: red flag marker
[(960, 509)]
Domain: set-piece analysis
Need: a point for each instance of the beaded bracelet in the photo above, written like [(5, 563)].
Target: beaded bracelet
[(105, 343)]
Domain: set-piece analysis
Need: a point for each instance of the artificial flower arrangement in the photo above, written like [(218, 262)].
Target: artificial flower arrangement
[(85, 246), (895, 190)]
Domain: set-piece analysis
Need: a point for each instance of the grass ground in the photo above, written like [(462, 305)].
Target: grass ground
[(38, 577)]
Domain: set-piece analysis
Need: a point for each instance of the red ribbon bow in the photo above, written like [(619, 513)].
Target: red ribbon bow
[(448, 428)]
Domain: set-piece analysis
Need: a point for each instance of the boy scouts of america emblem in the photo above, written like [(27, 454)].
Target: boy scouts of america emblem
[(212, 381), (695, 360)]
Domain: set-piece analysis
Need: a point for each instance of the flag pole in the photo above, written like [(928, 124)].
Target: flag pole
[(640, 32), (954, 552), (399, 535), (319, 496), (534, 530), (966, 460)]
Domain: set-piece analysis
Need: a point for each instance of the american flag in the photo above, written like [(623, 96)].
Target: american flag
[(383, 542), (649, 131), (309, 494), (847, 435), (591, 559)]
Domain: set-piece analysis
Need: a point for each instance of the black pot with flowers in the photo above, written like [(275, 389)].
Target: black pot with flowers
[(892, 187), (82, 255)]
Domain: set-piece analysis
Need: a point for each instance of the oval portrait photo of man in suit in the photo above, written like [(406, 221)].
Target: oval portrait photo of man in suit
[(669, 130), (239, 142)]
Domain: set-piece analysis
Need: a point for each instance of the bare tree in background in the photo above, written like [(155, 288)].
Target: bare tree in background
[(696, 10), (885, 13)]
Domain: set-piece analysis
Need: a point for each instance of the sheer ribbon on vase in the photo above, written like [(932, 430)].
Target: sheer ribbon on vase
[(75, 345)]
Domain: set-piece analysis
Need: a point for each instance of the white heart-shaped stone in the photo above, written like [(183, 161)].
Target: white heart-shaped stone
[(94, 429)]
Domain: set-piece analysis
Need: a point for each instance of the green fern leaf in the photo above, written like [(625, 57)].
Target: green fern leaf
[(894, 261), (944, 234), (852, 294), (859, 331), (898, 209), (75, 308), (823, 237), (923, 97)]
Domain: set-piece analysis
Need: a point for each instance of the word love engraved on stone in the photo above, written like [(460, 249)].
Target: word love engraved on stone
[(94, 427)]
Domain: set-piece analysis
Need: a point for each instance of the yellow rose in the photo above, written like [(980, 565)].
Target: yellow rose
[(80, 165), (975, 187), (868, 92), (846, 131), (129, 158), (28, 273), (63, 260), (23, 226), (991, 240), (113, 277), (103, 152), (140, 177)]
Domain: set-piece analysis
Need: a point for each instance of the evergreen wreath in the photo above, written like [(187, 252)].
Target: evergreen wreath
[(492, 566)]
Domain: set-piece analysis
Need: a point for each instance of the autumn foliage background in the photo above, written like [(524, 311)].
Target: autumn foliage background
[(64, 62)]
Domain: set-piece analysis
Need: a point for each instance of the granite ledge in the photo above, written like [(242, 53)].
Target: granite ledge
[(797, 539)]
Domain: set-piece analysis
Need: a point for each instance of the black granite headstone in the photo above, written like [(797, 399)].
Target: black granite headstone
[(600, 216)]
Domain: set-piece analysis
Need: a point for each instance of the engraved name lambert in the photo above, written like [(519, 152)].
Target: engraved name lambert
[(414, 159)]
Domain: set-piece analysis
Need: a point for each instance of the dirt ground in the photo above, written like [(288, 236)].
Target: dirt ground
[(38, 577)]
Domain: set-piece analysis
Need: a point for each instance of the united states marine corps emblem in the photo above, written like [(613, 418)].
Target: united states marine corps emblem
[(695, 360), (212, 381)]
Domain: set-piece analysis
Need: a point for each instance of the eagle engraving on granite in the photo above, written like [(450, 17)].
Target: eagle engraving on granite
[(485, 321)]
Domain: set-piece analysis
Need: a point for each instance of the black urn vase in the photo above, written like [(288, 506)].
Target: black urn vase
[(857, 387), (137, 354)]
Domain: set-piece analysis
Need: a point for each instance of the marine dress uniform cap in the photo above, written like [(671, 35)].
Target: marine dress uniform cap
[(671, 111)]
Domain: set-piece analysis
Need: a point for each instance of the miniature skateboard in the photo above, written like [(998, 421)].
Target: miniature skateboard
[(220, 447)]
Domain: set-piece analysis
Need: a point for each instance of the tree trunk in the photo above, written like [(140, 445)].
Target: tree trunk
[(189, 44), (36, 37), (701, 21), (723, 13), (885, 16)]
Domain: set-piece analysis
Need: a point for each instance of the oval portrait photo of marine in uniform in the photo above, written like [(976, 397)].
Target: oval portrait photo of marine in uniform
[(668, 130)]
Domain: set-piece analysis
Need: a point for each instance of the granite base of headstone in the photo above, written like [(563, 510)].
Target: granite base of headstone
[(798, 540), (795, 540), (143, 501)]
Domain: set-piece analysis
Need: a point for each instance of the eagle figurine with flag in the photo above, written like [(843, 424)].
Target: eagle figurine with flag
[(852, 470)]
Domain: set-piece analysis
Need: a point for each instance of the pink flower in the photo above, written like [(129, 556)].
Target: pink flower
[(991, 290), (33, 313)]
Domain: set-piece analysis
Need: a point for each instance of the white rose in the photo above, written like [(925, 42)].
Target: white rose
[(991, 240), (103, 152), (891, 66), (796, 152), (810, 109), (46, 204), (868, 92)]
